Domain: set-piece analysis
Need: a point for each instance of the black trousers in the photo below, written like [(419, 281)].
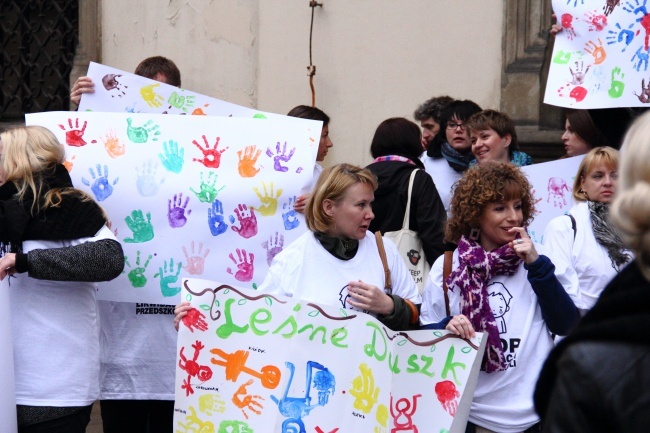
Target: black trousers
[(73, 423), (537, 428), (137, 416)]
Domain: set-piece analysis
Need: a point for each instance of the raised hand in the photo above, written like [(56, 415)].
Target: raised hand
[(280, 156), (101, 187), (81, 86), (172, 159)]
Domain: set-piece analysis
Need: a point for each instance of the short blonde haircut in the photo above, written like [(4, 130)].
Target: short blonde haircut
[(332, 185), (602, 155), (630, 211), (29, 153)]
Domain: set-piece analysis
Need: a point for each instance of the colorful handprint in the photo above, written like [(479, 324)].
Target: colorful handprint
[(196, 261), (141, 134), (290, 215), (142, 229), (247, 221), (245, 267), (102, 188), (273, 247), (183, 103), (269, 200), (149, 95), (208, 191), (177, 211), (147, 182), (112, 144), (74, 136), (173, 157), (136, 275), (247, 160), (216, 220), (280, 156), (211, 156), (168, 278)]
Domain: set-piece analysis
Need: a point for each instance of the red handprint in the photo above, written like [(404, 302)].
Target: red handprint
[(74, 136), (448, 396), (195, 319), (211, 157), (247, 221), (193, 369)]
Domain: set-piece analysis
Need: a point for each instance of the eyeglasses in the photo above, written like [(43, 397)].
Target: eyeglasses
[(453, 125)]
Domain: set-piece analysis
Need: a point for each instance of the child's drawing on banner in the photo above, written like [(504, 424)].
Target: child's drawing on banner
[(124, 92), (189, 195), (600, 58), (552, 184), (249, 362)]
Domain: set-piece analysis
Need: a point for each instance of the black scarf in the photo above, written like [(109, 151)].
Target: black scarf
[(343, 249), (72, 218), (606, 234), (455, 159)]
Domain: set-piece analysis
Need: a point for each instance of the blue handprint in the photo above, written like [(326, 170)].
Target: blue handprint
[(176, 211), (623, 35), (575, 2), (642, 59), (636, 8), (289, 214), (147, 183), (101, 187), (173, 157), (215, 219), (167, 278), (280, 156)]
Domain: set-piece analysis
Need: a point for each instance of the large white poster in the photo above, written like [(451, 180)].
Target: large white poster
[(254, 363), (600, 58), (199, 196)]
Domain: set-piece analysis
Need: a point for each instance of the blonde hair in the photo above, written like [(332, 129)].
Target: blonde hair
[(630, 211), (604, 155), (332, 185), (29, 154)]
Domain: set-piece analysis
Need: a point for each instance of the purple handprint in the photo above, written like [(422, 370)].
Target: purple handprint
[(247, 221), (244, 264), (280, 156), (289, 214), (176, 213), (273, 246), (215, 219)]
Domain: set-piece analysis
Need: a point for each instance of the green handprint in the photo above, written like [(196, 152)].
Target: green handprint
[(207, 191), (562, 57), (140, 134), (136, 275), (167, 278), (181, 102), (617, 86), (142, 229)]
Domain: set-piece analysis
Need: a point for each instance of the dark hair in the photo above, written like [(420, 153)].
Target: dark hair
[(583, 125), (498, 121), (432, 108), (397, 136), (152, 66), (307, 112), (463, 110)]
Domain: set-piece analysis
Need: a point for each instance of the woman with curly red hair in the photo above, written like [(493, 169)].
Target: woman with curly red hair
[(501, 286)]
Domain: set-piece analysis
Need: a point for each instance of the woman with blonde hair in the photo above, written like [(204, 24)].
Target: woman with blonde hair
[(584, 246), (55, 245), (597, 379), (499, 285)]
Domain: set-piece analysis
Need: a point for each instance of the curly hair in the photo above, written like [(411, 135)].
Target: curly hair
[(489, 182)]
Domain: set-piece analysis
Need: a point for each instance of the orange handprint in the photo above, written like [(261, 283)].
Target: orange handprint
[(112, 144), (597, 51), (152, 99), (247, 161)]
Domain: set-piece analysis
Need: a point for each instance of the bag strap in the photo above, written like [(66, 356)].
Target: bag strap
[(388, 286), (407, 213), (573, 225), (446, 270)]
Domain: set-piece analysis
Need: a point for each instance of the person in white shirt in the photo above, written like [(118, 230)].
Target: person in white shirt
[(55, 247), (499, 285), (584, 246), (337, 262)]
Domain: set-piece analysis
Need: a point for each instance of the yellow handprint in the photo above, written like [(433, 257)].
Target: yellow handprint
[(152, 99), (269, 202), (364, 390)]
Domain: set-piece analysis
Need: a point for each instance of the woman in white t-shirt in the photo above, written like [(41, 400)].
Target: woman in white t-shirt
[(337, 262), (55, 245), (584, 246), (501, 286)]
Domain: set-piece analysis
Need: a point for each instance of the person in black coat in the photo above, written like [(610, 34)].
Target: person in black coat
[(396, 148)]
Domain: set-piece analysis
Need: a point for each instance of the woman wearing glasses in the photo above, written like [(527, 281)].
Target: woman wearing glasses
[(450, 152)]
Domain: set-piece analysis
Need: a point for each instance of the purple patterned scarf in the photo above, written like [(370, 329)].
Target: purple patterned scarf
[(476, 268)]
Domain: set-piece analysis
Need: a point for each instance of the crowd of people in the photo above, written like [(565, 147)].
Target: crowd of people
[(456, 183)]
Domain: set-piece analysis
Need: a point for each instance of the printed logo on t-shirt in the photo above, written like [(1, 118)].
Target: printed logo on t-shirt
[(500, 298), (154, 309), (343, 298)]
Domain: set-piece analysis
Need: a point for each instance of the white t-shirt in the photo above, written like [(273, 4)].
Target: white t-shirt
[(55, 328), (582, 266), (138, 351), (318, 169), (443, 177), (308, 271), (503, 400)]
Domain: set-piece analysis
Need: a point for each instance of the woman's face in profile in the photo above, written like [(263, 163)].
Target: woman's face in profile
[(352, 213), (458, 135)]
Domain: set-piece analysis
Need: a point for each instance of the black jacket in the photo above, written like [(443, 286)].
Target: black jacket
[(598, 378), (428, 214)]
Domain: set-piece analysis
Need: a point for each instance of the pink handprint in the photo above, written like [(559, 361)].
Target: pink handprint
[(597, 22), (244, 264), (273, 246), (195, 262), (211, 157), (247, 221), (448, 396), (195, 319), (74, 136)]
